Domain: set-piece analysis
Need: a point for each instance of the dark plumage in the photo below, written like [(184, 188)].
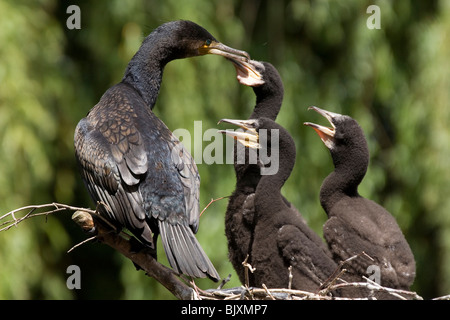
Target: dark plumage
[(280, 236), (356, 224), (133, 163), (268, 88)]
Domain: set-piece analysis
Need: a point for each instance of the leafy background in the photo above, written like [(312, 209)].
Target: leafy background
[(394, 81)]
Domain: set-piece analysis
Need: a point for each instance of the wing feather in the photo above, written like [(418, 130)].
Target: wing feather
[(109, 179), (135, 164), (190, 179)]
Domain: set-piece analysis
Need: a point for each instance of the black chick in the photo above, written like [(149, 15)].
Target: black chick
[(280, 236), (268, 88), (356, 224)]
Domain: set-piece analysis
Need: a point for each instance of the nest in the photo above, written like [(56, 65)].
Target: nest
[(334, 288)]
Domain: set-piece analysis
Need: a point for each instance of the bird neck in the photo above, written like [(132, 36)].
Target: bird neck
[(145, 70), (344, 180), (247, 171), (268, 103), (268, 199)]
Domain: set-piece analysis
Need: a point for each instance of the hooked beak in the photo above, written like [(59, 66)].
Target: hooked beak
[(249, 138), (325, 133), (220, 49), (246, 73)]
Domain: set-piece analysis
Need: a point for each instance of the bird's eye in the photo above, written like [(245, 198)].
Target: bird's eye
[(208, 42)]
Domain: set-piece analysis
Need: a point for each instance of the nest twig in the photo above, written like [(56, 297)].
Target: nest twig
[(104, 232)]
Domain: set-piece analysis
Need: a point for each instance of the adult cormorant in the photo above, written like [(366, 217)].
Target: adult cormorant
[(356, 224), (133, 163), (280, 236)]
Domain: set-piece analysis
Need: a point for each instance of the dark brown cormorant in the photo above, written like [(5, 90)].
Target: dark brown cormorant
[(356, 224), (268, 88), (280, 236), (133, 163)]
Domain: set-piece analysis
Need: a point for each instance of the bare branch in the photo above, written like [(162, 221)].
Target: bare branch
[(105, 234), (247, 267), (57, 207), (446, 297), (332, 284), (290, 277), (211, 202), (268, 292), (224, 281), (371, 285), (264, 293), (142, 257), (81, 243)]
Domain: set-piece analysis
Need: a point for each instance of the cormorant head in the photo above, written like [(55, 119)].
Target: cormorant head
[(272, 139), (187, 39), (249, 137), (345, 139), (266, 83), (258, 133), (249, 73)]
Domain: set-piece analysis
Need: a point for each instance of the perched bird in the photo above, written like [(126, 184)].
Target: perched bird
[(356, 224), (280, 236), (268, 88), (267, 85), (132, 162)]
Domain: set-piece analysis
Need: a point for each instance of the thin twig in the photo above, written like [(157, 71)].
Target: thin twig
[(283, 294), (324, 290), (57, 207), (371, 285), (224, 281), (338, 272), (32, 208), (290, 277), (247, 267), (268, 292), (446, 297), (81, 243), (211, 202)]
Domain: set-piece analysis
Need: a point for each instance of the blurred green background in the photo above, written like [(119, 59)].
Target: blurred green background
[(394, 81)]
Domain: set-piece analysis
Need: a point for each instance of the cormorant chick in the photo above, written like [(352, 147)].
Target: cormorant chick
[(267, 85), (280, 236), (356, 224)]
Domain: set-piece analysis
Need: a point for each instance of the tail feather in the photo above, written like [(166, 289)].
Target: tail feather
[(184, 253)]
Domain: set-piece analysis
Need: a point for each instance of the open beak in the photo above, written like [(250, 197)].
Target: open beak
[(325, 133), (246, 73), (220, 49), (249, 137)]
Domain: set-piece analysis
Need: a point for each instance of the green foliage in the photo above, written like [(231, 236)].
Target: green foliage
[(394, 81)]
